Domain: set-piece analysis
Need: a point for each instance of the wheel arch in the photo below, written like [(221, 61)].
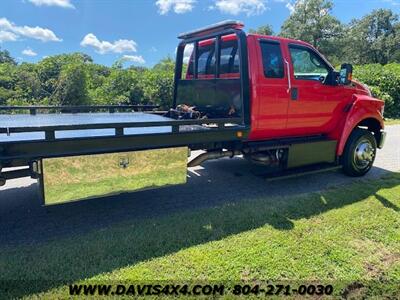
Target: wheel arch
[(370, 123), (374, 126)]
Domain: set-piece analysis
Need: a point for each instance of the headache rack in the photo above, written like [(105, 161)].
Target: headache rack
[(54, 140), (217, 89)]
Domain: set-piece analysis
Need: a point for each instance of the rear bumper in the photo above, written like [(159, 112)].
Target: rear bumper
[(382, 139)]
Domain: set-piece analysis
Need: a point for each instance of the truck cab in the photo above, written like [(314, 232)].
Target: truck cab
[(294, 94)]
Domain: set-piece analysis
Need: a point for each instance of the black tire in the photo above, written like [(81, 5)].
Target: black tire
[(359, 153)]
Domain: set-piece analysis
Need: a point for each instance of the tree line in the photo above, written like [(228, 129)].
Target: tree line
[(74, 79), (374, 38)]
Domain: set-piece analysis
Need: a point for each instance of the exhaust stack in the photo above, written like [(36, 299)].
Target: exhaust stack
[(212, 155)]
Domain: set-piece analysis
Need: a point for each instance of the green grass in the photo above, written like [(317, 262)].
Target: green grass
[(340, 236), (392, 121)]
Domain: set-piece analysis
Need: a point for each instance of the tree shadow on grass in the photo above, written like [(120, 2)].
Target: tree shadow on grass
[(387, 203), (81, 240)]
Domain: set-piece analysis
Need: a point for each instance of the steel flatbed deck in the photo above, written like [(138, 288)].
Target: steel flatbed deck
[(24, 138)]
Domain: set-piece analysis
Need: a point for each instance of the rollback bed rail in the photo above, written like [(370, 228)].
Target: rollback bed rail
[(180, 133), (34, 109)]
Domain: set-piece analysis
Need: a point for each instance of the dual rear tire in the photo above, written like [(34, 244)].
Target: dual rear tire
[(359, 153)]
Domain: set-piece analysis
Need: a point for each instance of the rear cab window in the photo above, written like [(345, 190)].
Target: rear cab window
[(229, 59), (272, 59)]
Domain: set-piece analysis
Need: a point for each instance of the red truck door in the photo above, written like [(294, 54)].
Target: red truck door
[(270, 104), (313, 105)]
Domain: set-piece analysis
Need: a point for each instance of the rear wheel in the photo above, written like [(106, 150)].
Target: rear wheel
[(359, 153)]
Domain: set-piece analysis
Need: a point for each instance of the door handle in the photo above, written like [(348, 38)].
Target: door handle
[(288, 76), (294, 93)]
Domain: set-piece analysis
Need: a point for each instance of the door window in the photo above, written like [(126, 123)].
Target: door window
[(307, 65), (272, 60)]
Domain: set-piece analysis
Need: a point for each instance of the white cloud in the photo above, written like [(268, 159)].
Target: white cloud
[(37, 33), (6, 36), (11, 30), (393, 2), (134, 58), (291, 7), (5, 24), (29, 52), (102, 47), (178, 6), (60, 3), (235, 7)]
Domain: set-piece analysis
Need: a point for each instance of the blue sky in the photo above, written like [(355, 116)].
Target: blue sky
[(144, 31)]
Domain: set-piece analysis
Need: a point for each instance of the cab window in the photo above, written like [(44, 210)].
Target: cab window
[(307, 65), (206, 61), (272, 60), (229, 60)]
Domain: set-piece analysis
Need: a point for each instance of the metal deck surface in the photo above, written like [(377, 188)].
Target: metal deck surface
[(26, 120)]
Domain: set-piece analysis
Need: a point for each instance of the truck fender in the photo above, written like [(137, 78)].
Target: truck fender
[(362, 111)]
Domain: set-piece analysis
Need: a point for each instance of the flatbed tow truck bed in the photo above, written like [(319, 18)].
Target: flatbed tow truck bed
[(24, 138), (28, 140), (31, 140)]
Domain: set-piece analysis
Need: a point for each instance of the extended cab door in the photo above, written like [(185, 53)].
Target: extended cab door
[(270, 93), (314, 105)]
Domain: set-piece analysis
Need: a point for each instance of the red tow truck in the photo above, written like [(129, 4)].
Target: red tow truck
[(276, 101)]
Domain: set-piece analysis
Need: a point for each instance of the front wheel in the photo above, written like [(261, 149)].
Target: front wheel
[(359, 153)]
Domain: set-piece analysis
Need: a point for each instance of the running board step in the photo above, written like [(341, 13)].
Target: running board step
[(293, 173)]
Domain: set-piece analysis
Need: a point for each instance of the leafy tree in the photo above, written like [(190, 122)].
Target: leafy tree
[(374, 38), (158, 87), (312, 22), (71, 86), (49, 72), (122, 86), (5, 57), (265, 30), (166, 64), (7, 82), (27, 84)]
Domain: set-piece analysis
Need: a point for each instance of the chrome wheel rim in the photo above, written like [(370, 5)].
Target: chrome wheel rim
[(364, 154)]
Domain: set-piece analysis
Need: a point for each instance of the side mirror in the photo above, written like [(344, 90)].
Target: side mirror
[(346, 74)]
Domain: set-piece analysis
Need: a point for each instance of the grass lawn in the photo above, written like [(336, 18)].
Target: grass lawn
[(346, 236), (392, 121)]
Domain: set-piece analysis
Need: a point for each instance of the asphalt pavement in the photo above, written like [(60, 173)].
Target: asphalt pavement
[(24, 220)]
